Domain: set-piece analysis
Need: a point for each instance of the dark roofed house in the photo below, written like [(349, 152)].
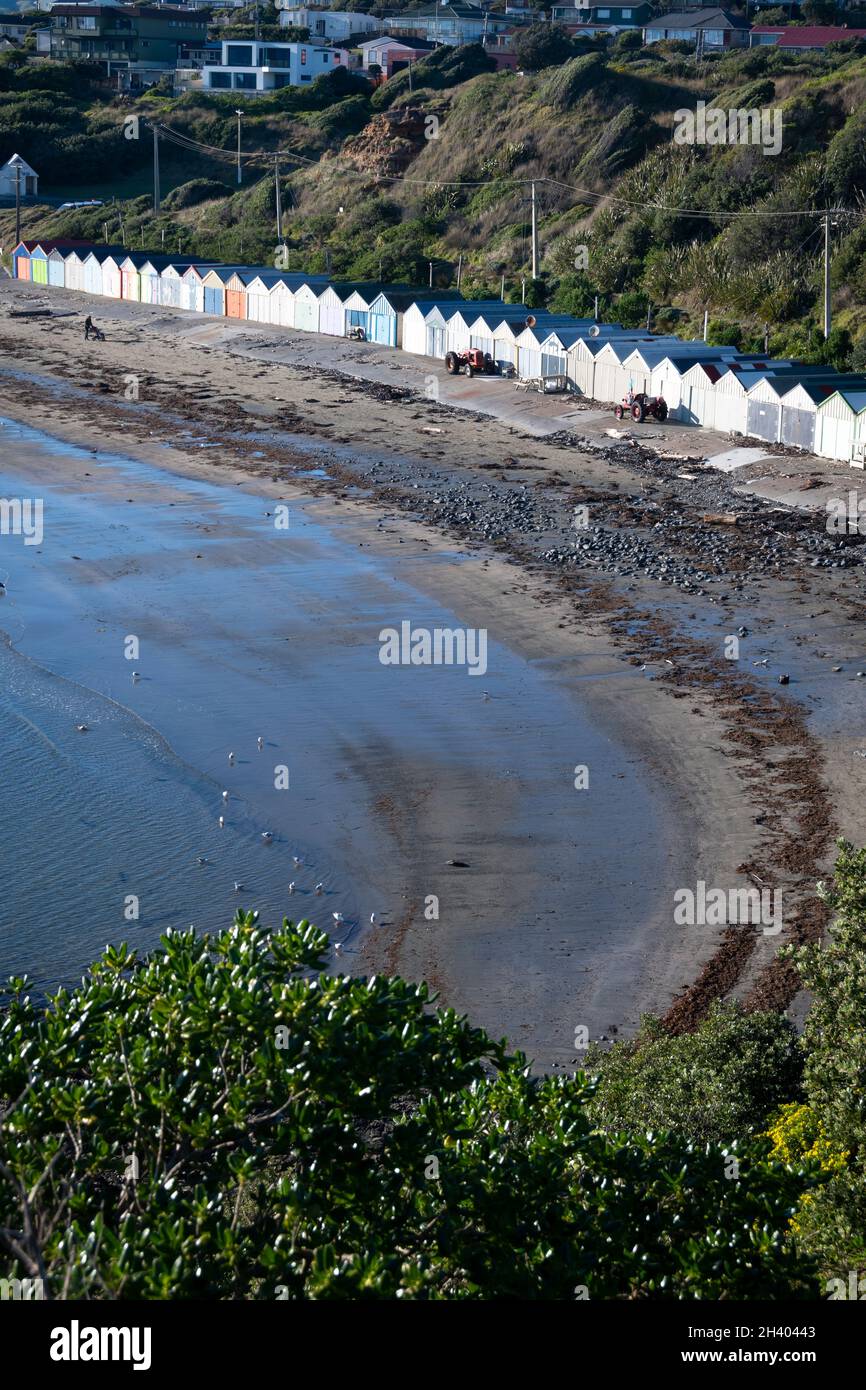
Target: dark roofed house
[(710, 28)]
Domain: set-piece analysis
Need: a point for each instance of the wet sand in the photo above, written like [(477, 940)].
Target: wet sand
[(720, 748), (393, 772)]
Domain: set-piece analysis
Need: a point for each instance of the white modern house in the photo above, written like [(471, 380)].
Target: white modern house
[(450, 23), (257, 66), (16, 172), (336, 26)]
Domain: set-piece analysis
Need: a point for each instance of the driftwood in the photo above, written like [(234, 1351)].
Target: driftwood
[(721, 518), (41, 314)]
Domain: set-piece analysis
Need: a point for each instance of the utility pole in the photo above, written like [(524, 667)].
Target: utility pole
[(278, 199), (410, 77), (826, 274), (502, 287), (239, 114), (459, 268), (523, 290), (706, 323), (595, 308), (534, 235), (649, 311), (156, 201), (105, 232), (17, 203), (430, 264)]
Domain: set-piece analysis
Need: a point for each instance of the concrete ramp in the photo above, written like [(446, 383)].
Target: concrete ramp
[(732, 459)]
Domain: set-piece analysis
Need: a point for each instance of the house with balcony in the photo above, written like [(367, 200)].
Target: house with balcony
[(142, 40), (608, 18), (453, 24), (254, 65), (327, 26)]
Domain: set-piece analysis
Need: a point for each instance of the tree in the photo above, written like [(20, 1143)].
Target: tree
[(224, 1120), (541, 45), (819, 11)]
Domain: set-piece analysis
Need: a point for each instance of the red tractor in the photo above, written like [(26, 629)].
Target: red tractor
[(469, 362), (639, 405)]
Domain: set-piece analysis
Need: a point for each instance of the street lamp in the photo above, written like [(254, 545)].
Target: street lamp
[(239, 114)]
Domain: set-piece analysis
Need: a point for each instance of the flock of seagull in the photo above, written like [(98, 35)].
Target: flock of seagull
[(267, 837)]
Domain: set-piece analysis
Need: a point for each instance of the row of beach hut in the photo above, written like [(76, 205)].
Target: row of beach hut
[(779, 401)]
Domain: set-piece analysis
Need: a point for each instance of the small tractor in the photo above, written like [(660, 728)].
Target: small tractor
[(639, 405), (469, 362)]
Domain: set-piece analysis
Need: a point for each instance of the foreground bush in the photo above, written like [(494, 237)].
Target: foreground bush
[(720, 1083), (222, 1120)]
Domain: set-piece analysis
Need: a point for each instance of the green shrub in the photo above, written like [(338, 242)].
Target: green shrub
[(224, 1120), (720, 1083), (188, 195)]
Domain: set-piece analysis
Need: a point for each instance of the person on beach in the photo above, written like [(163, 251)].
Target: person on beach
[(88, 328)]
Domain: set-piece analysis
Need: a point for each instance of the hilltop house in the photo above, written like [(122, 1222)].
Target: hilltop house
[(140, 42), (16, 171), (13, 25), (707, 27), (255, 65), (392, 55), (608, 18), (802, 36), (453, 24), (332, 26)]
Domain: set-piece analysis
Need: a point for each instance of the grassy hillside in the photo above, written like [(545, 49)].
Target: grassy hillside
[(371, 192)]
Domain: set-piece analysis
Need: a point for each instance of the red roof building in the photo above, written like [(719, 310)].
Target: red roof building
[(803, 36)]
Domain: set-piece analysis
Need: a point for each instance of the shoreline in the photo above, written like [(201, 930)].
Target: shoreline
[(553, 618)]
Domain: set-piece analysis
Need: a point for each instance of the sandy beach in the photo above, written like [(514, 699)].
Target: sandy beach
[(563, 916)]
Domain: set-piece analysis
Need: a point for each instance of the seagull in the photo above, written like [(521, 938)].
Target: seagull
[(319, 887), (231, 759), (238, 887), (267, 836), (374, 917), (225, 796), (296, 861), (337, 916), (136, 676), (261, 743), (486, 694), (82, 728), (201, 860), (291, 887), (222, 822), (338, 947)]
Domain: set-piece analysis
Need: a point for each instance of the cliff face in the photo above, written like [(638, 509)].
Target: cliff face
[(389, 143)]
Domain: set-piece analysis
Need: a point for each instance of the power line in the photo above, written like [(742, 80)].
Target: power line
[(267, 157)]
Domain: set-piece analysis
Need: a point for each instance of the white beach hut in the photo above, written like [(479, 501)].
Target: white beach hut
[(457, 330), (112, 279), (192, 288), (839, 426), (307, 308), (75, 270), (92, 274), (281, 304), (332, 308)]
